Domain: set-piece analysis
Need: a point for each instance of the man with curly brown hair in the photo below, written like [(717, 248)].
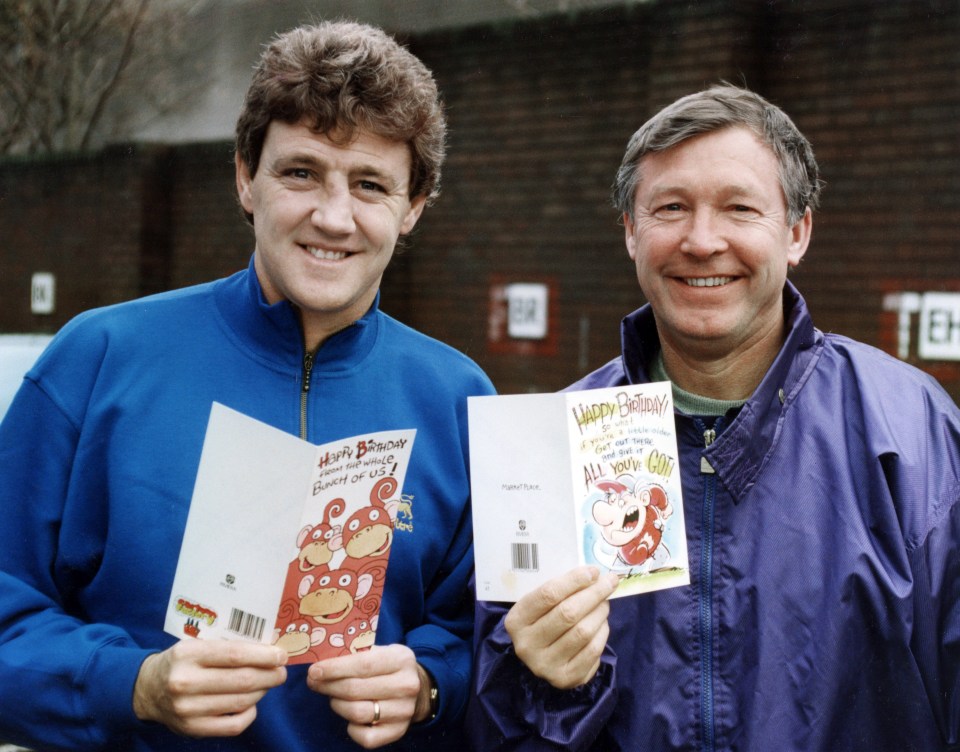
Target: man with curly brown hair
[(339, 148)]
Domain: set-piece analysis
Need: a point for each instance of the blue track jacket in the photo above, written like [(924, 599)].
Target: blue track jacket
[(98, 456), (823, 612)]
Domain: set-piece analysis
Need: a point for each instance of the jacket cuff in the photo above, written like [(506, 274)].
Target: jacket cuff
[(519, 704), (109, 679), (449, 668)]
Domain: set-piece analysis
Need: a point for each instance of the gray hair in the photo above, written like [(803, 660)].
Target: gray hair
[(724, 106)]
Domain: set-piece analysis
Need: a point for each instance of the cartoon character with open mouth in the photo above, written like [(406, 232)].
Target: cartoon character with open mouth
[(631, 517)]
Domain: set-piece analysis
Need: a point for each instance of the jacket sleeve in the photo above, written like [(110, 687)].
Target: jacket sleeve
[(442, 642), (64, 683), (511, 709), (935, 642)]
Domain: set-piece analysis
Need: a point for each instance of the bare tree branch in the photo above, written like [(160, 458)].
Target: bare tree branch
[(111, 85), (73, 73)]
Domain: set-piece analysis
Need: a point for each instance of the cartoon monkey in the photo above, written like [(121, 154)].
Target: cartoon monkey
[(296, 635), (330, 598), (369, 531), (632, 519), (318, 543), (358, 635)]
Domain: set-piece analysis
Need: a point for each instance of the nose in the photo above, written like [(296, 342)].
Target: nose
[(333, 213), (703, 235)]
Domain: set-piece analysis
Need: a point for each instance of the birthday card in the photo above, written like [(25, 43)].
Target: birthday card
[(287, 542), (571, 478)]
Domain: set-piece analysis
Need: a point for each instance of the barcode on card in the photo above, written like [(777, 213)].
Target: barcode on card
[(246, 624), (525, 557)]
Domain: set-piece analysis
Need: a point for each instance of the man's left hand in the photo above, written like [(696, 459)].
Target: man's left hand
[(380, 692)]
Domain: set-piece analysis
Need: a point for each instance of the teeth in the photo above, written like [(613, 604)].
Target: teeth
[(708, 281), (320, 253)]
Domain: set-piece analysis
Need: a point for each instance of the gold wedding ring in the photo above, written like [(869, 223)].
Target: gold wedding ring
[(376, 713)]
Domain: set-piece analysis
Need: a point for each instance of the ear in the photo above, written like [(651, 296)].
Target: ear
[(364, 583), (799, 238), (244, 184), (305, 584), (413, 214), (303, 535), (628, 236)]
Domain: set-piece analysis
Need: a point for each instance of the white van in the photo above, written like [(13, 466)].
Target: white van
[(18, 352)]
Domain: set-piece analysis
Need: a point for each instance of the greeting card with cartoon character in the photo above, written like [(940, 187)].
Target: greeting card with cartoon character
[(288, 542), (560, 480)]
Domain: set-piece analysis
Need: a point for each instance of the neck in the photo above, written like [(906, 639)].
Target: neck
[(314, 337), (732, 376)]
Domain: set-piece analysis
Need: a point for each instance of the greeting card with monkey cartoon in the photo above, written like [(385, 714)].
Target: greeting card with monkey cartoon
[(288, 542), (572, 478)]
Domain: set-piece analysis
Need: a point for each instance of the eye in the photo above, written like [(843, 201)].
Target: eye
[(328, 535), (670, 208), (304, 628), (345, 580), (353, 526), (291, 628), (317, 534), (324, 581), (374, 515), (298, 173), (370, 185), (351, 630)]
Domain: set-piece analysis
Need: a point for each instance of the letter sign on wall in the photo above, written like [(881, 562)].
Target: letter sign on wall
[(42, 293), (938, 332), (940, 326), (526, 310), (522, 318)]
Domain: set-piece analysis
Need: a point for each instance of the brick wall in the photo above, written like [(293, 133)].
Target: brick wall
[(77, 217), (540, 112)]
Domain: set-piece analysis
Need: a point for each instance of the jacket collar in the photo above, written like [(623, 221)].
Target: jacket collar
[(739, 451), (273, 335)]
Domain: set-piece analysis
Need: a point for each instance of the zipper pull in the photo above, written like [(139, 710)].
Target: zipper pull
[(307, 368), (709, 436)]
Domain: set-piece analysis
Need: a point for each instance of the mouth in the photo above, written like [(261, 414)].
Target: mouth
[(325, 255), (335, 616), (630, 519), (707, 281)]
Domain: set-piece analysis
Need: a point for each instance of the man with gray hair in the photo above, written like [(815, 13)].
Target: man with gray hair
[(338, 150), (821, 491)]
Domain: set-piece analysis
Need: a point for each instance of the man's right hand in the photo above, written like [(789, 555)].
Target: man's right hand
[(560, 629), (207, 687)]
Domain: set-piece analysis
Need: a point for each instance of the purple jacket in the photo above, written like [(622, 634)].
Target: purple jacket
[(824, 606)]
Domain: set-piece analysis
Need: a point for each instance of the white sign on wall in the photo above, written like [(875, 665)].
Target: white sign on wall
[(526, 310), (939, 324), (43, 293)]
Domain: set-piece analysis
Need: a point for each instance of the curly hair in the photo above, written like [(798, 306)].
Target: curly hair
[(724, 106), (343, 77)]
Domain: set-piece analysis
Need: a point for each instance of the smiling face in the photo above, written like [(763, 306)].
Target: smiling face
[(332, 600), (711, 244), (326, 219), (369, 532)]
